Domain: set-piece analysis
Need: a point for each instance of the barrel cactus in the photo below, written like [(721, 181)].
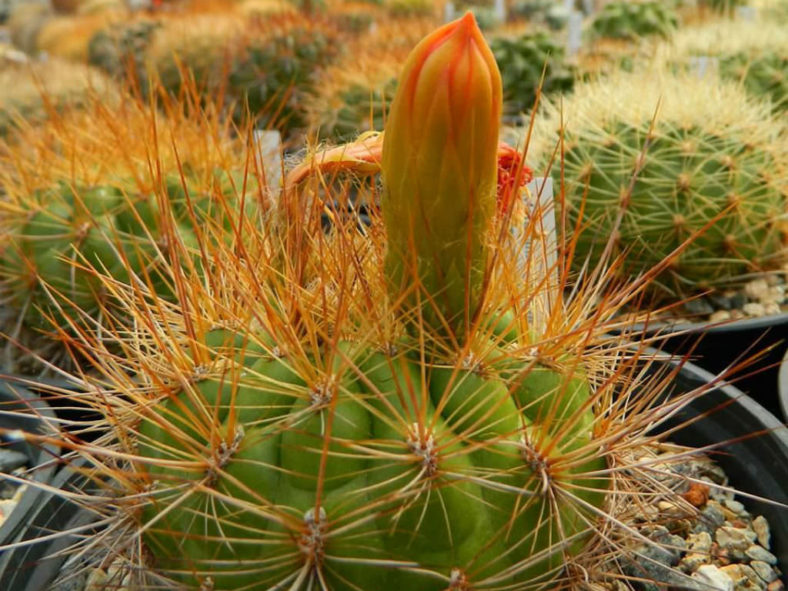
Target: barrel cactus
[(633, 20), (271, 76), (34, 92), (705, 163), (380, 407), (751, 53), (119, 49), (88, 200), (724, 6), (522, 62)]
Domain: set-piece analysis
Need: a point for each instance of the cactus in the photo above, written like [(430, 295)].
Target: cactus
[(728, 6), (753, 54), (356, 109), (90, 199), (380, 408), (706, 164), (271, 76), (411, 8), (762, 76), (120, 49), (196, 46), (34, 92), (522, 62), (633, 20)]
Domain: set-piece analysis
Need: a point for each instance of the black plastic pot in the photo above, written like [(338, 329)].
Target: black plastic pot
[(35, 566), (756, 464), (23, 410), (782, 386), (717, 347)]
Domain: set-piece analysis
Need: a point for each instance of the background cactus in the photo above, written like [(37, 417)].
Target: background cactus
[(647, 178), (354, 93), (728, 6), (90, 197), (120, 49), (272, 75), (522, 60), (753, 54), (36, 91), (631, 20)]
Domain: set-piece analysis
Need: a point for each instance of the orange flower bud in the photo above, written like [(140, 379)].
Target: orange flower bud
[(440, 171)]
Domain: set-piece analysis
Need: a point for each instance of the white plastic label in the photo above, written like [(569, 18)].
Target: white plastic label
[(500, 10), (700, 65), (575, 33), (747, 13), (449, 12), (268, 144), (538, 257)]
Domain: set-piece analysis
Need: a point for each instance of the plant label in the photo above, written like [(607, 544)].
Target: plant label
[(268, 144), (449, 12), (575, 33)]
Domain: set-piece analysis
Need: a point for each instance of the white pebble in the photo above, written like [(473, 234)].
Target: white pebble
[(754, 309), (734, 506), (756, 289), (764, 571), (758, 553), (733, 538), (720, 316), (761, 527), (714, 577)]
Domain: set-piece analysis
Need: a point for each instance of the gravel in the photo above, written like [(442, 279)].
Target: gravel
[(718, 547), (15, 463)]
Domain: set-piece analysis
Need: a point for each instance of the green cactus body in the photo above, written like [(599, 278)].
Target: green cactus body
[(120, 49), (522, 62), (753, 54), (367, 470), (723, 5), (271, 78), (689, 177), (67, 230), (73, 227), (632, 20), (763, 76), (359, 108), (650, 181)]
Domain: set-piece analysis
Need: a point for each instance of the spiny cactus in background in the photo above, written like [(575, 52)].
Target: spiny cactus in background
[(84, 190), (271, 76), (522, 62), (120, 48), (352, 110), (646, 178), (24, 23), (633, 20), (728, 6), (411, 8), (68, 37), (35, 91), (354, 94), (196, 46), (751, 53), (553, 14)]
